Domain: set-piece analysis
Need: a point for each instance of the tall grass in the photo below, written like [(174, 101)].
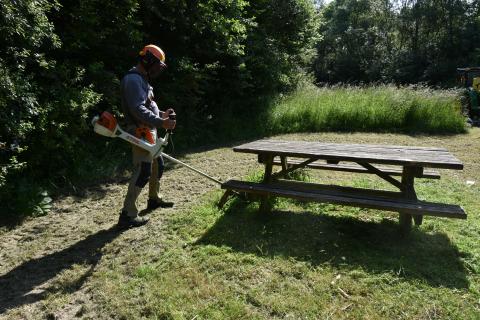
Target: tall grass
[(383, 108)]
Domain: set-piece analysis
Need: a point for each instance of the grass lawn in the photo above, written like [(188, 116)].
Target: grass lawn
[(304, 261), (310, 261)]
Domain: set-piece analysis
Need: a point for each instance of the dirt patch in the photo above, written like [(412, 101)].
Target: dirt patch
[(46, 264)]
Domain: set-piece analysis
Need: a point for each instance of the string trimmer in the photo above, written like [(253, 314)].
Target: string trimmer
[(106, 125)]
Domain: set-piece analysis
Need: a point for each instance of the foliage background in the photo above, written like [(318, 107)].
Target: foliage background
[(61, 62), (402, 41)]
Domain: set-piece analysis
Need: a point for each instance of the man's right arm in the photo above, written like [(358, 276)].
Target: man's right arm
[(136, 98)]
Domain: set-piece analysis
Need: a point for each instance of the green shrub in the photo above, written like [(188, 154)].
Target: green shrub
[(62, 63)]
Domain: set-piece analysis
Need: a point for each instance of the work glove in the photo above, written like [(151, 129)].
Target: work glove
[(168, 123), (165, 114)]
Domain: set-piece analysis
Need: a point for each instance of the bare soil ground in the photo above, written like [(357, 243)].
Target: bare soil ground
[(47, 263)]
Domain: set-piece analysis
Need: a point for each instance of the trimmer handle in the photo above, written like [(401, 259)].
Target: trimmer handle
[(172, 116)]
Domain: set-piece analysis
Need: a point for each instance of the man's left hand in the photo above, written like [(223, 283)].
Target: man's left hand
[(166, 113)]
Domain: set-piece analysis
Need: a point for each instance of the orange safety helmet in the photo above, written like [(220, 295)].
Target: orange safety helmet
[(151, 54)]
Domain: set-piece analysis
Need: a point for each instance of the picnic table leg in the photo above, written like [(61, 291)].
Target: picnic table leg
[(408, 178), (283, 159), (224, 198), (264, 201)]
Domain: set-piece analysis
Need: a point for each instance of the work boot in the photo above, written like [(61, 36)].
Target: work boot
[(153, 204), (126, 221)]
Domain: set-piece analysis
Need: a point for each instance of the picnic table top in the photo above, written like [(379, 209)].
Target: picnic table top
[(386, 154)]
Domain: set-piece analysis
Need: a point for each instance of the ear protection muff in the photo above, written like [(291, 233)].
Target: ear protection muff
[(149, 59)]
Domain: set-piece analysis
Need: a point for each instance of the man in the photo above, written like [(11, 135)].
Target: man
[(143, 117)]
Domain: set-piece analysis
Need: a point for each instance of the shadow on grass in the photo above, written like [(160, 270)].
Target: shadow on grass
[(340, 242), (23, 284)]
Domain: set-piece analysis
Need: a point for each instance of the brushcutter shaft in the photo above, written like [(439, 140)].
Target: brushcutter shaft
[(189, 167)]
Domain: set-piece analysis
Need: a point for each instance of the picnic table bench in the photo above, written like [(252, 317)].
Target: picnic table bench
[(385, 161)]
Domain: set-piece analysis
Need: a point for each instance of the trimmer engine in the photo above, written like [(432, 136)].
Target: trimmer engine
[(105, 124)]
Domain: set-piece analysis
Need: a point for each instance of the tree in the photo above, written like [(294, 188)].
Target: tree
[(406, 41), (62, 62), (356, 38)]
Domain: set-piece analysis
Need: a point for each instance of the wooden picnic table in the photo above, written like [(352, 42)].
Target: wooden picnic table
[(385, 161)]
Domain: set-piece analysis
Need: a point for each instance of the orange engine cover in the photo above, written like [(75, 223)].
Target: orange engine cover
[(145, 134), (107, 120)]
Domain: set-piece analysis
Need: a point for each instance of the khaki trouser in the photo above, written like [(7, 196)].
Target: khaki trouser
[(142, 160)]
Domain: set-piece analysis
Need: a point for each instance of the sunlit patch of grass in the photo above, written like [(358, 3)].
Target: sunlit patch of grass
[(305, 260), (308, 261)]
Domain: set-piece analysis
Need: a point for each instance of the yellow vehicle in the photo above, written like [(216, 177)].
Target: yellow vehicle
[(470, 79)]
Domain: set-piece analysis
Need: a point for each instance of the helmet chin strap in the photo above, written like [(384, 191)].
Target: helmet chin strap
[(147, 72)]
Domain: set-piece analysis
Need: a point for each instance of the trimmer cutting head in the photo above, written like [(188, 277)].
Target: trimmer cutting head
[(105, 124)]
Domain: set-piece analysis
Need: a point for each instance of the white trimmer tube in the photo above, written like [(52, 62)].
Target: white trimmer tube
[(151, 148)]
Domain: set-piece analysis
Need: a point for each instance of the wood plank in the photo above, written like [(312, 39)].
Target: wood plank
[(397, 155), (382, 175), (349, 145), (434, 162), (352, 167), (269, 144), (293, 168), (334, 189), (350, 199), (434, 159)]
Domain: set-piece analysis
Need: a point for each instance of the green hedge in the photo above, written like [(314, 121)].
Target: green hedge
[(61, 63)]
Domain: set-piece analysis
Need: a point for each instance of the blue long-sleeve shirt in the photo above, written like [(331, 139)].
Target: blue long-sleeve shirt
[(137, 101)]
